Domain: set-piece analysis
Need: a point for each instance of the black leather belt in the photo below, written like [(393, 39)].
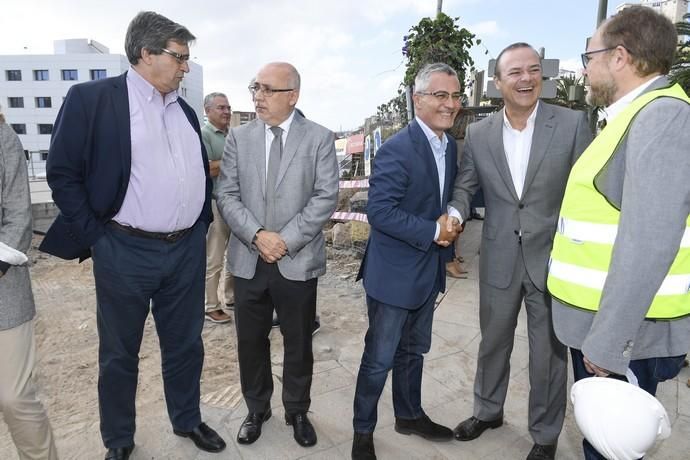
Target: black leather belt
[(167, 237)]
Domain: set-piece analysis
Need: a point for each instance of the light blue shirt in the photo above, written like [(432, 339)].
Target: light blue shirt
[(438, 148)]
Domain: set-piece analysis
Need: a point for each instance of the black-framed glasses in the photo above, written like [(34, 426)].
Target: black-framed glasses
[(442, 96), (181, 58), (268, 92), (586, 57)]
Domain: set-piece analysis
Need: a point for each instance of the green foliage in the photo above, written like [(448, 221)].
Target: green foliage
[(680, 71), (438, 40)]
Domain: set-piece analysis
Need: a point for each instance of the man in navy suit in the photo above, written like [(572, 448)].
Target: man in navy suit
[(404, 264), (130, 176)]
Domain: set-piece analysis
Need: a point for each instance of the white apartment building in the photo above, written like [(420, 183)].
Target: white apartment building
[(33, 86), (672, 9)]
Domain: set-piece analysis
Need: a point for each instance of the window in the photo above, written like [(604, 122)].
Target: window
[(98, 74), (15, 102), (40, 75), (44, 155), (13, 75), (69, 74), (43, 102), (19, 128), (45, 128)]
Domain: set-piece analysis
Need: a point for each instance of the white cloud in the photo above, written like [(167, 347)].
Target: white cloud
[(572, 64), (484, 29)]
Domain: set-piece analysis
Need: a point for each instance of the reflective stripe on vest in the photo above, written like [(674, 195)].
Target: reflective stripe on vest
[(588, 226)]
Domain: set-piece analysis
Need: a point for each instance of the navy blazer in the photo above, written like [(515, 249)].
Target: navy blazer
[(402, 264), (89, 164)]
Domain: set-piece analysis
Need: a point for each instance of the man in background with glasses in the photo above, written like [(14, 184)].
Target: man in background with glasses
[(520, 157), (404, 266), (219, 113), (620, 269), (130, 176), (278, 187)]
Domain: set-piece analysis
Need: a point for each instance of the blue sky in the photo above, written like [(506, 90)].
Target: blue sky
[(348, 51)]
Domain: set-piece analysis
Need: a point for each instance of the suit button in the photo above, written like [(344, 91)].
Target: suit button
[(521, 206)]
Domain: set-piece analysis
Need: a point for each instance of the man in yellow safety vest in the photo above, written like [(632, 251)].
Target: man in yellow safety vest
[(620, 267)]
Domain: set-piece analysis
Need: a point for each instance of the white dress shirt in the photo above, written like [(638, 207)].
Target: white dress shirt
[(438, 148), (517, 145)]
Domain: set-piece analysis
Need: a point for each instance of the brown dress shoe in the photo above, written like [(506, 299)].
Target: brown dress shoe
[(218, 317), (455, 270)]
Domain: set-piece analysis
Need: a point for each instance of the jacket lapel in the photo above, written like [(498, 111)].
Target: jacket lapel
[(498, 152), (544, 126), (120, 103), (293, 141), (258, 139), (423, 149)]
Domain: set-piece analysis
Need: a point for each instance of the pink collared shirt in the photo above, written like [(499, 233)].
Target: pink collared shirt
[(167, 184)]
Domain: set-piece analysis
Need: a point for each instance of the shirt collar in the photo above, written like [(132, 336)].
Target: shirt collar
[(617, 107), (285, 126), (431, 136), (147, 89), (213, 128), (530, 120)]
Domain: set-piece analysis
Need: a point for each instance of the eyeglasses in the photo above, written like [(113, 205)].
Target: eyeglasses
[(442, 96), (586, 57), (181, 58), (268, 92)]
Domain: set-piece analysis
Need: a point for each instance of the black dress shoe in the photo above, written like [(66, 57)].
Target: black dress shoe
[(250, 430), (204, 437), (363, 447), (424, 427), (472, 428), (302, 428), (542, 452), (119, 453)]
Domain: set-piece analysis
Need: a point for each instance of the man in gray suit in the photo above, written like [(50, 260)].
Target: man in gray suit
[(278, 187), (520, 157), (629, 193), (19, 405)]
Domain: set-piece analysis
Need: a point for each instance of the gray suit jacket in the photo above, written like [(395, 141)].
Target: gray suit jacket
[(648, 181), (306, 193), (560, 136), (16, 298)]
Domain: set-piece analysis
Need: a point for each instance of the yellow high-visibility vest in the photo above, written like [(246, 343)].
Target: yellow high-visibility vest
[(588, 225)]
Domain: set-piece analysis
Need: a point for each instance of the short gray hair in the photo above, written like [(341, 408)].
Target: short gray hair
[(209, 98), (153, 31), (421, 81)]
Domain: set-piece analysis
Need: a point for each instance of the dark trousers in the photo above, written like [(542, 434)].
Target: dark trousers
[(396, 339), (295, 304), (130, 272), (649, 373)]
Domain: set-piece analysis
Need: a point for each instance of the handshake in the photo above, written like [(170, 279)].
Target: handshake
[(450, 230)]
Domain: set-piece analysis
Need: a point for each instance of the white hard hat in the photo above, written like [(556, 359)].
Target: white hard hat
[(621, 420)]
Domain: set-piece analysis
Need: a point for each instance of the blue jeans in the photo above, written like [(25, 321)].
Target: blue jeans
[(649, 373), (396, 339)]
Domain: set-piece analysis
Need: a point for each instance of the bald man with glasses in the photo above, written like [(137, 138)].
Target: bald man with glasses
[(278, 187)]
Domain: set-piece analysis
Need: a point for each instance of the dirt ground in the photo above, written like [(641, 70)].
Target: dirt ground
[(67, 346)]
